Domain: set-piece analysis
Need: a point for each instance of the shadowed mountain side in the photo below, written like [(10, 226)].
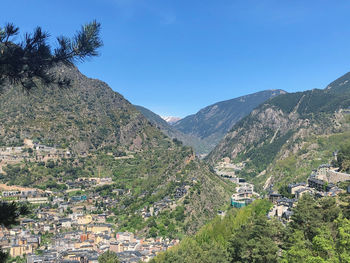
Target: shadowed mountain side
[(211, 123)]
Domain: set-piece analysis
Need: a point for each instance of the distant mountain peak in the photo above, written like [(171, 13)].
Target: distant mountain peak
[(171, 119)]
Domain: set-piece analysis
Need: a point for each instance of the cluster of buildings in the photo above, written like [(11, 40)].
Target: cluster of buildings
[(32, 152), (74, 224), (19, 194), (88, 182), (84, 244), (321, 183), (227, 170), (168, 202), (244, 194), (157, 207), (73, 231)]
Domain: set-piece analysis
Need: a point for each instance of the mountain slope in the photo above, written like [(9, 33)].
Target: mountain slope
[(100, 128), (162, 124), (211, 123), (169, 130), (287, 133)]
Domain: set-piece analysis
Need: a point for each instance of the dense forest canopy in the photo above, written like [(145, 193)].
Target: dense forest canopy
[(319, 232)]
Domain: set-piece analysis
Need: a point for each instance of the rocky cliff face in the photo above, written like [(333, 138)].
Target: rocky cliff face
[(281, 127)]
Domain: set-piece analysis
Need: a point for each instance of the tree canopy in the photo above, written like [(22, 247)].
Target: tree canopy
[(23, 61), (9, 214), (108, 257), (319, 232), (343, 159)]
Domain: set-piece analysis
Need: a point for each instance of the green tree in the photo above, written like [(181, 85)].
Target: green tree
[(153, 232), (255, 242), (343, 157), (311, 214), (306, 217), (343, 239), (108, 257), (9, 214), (324, 245), (23, 62), (299, 249), (192, 252), (211, 242)]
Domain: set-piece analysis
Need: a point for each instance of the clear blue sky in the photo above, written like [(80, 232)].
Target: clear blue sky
[(175, 57)]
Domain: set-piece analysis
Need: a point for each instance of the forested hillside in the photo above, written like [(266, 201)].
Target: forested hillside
[(319, 232), (282, 140)]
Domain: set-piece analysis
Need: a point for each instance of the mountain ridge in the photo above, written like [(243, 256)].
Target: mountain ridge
[(169, 129), (282, 128), (211, 123), (100, 127)]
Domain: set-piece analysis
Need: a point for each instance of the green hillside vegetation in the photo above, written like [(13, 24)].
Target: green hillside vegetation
[(343, 157), (151, 176), (97, 125), (287, 137), (313, 101), (211, 242), (298, 166), (319, 232)]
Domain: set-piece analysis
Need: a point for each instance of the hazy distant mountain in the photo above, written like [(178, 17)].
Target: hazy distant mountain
[(171, 119), (211, 123), (169, 130), (160, 122)]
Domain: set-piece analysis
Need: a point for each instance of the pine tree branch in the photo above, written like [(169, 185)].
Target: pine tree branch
[(21, 63)]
